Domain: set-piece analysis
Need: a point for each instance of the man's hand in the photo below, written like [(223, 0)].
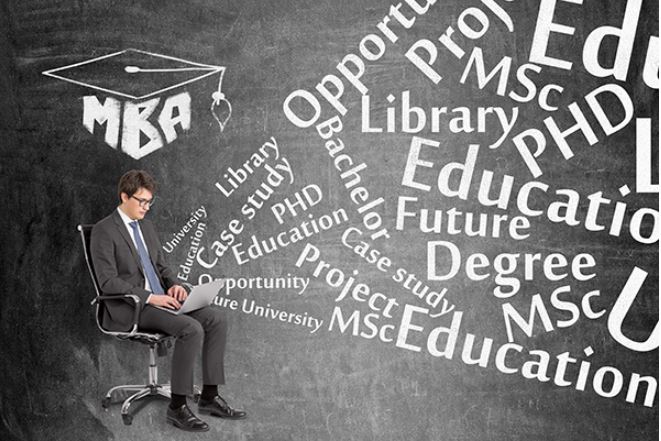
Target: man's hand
[(164, 301), (178, 292)]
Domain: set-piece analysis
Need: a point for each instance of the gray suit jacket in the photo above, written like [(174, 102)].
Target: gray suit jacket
[(118, 268)]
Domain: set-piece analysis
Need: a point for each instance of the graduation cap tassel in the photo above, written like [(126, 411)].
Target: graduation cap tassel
[(221, 109)]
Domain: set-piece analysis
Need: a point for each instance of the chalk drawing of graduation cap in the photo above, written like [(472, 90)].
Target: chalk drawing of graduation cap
[(146, 97)]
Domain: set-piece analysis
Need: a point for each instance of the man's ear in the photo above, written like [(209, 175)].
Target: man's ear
[(124, 197)]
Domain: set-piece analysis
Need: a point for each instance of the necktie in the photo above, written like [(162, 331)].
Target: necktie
[(147, 266)]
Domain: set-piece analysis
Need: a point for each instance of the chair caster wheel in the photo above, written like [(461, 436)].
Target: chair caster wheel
[(105, 403), (128, 419)]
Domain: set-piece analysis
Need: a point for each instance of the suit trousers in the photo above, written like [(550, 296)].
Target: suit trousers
[(204, 329)]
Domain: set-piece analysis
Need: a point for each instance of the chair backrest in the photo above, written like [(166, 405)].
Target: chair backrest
[(85, 231)]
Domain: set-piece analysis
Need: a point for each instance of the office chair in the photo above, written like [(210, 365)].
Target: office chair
[(157, 342)]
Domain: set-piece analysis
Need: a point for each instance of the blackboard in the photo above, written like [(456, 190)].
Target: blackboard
[(438, 219)]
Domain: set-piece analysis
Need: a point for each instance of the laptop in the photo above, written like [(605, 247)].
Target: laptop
[(199, 297)]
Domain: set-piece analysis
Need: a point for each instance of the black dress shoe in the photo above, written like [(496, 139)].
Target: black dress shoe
[(219, 407), (183, 418)]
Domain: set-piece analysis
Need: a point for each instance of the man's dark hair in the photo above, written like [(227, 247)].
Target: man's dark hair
[(133, 180)]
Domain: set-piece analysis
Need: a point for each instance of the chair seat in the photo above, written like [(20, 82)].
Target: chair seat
[(146, 337)]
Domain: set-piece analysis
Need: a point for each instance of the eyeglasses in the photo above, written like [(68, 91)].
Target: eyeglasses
[(145, 203)]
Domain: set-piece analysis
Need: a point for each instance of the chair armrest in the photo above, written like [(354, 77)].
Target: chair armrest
[(136, 307)]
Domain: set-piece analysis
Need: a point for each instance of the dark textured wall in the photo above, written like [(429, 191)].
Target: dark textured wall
[(56, 365)]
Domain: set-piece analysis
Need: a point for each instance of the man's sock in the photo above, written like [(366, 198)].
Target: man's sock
[(176, 401), (209, 392)]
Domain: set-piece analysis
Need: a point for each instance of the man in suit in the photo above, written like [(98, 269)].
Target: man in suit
[(128, 259)]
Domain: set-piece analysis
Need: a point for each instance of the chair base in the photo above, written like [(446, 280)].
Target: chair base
[(140, 391)]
